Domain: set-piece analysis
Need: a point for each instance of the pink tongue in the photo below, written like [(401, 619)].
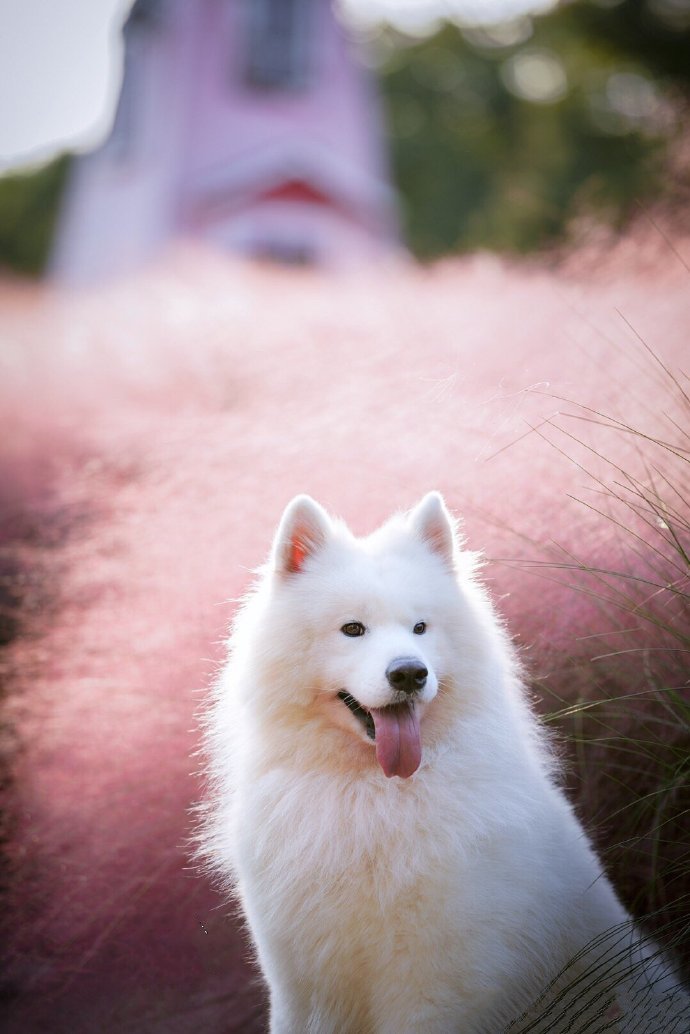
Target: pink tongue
[(398, 740)]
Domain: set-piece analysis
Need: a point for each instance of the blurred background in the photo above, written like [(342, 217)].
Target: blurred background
[(499, 124), (362, 249)]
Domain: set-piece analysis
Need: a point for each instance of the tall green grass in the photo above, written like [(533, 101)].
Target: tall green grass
[(620, 699), (631, 728)]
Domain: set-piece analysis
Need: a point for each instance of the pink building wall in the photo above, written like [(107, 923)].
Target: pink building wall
[(197, 150)]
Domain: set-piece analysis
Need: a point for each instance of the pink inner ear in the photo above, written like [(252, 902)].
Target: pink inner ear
[(437, 535), (297, 555), (303, 533)]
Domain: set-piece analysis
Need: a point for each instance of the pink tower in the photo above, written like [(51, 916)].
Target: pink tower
[(245, 123)]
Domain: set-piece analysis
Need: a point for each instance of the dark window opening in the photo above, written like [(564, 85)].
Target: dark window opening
[(144, 13), (286, 253), (277, 43)]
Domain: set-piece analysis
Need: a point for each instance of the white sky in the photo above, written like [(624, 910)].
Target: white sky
[(60, 63)]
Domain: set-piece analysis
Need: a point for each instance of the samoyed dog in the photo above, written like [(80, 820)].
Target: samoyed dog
[(385, 808)]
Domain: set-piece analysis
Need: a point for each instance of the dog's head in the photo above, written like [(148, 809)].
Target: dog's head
[(370, 621)]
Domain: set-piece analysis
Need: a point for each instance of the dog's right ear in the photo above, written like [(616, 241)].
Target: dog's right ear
[(433, 524), (303, 530)]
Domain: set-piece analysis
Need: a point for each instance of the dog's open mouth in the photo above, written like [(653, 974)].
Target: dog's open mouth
[(395, 730), (360, 713)]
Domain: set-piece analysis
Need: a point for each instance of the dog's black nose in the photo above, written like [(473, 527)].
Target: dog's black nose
[(406, 674)]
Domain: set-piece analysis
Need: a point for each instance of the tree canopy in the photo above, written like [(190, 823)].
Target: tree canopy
[(502, 136)]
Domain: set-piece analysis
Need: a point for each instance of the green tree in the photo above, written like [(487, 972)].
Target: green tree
[(501, 136), (28, 210)]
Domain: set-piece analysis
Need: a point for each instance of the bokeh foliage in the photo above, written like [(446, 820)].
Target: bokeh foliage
[(502, 137), (28, 210)]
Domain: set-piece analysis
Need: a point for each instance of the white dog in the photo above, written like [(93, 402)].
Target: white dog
[(385, 806)]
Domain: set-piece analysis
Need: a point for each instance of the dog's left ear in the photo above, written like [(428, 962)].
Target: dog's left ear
[(303, 530), (432, 523)]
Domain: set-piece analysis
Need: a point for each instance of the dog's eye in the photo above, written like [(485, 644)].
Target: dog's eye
[(353, 629), (419, 628)]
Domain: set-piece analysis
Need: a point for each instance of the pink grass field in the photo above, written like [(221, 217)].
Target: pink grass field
[(152, 433)]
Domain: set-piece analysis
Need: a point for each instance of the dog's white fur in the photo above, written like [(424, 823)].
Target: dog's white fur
[(443, 902)]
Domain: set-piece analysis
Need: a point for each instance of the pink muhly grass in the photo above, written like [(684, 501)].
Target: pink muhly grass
[(620, 694), (152, 434)]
